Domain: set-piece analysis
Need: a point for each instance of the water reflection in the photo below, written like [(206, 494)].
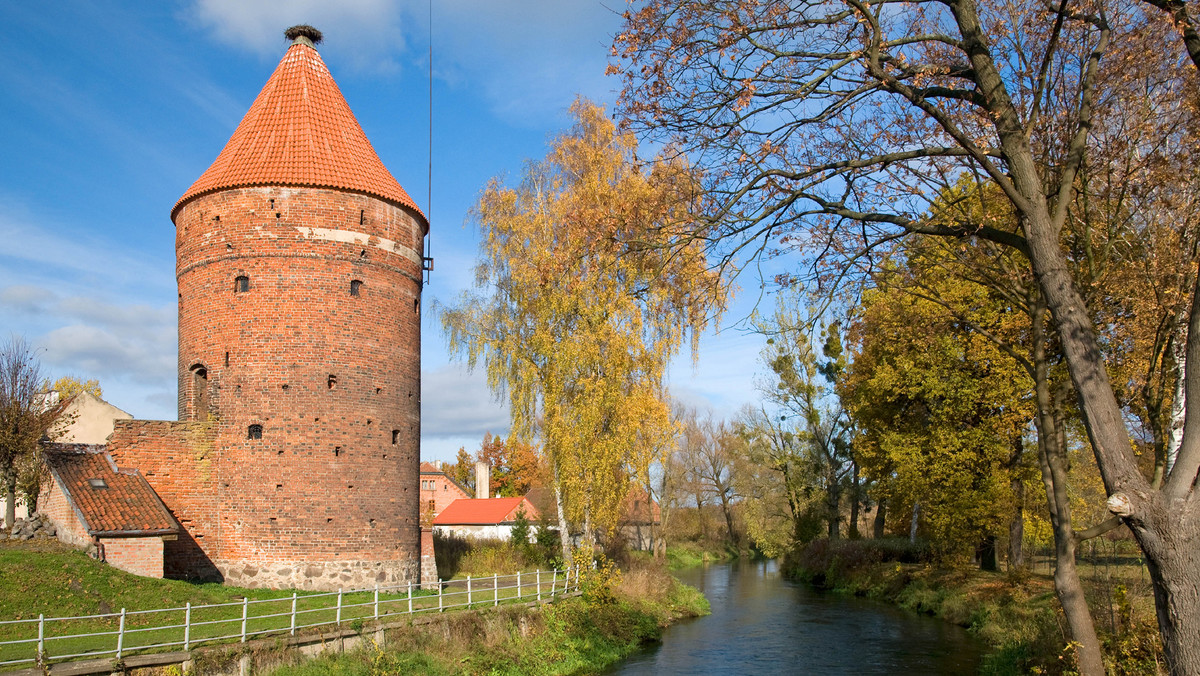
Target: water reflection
[(763, 624)]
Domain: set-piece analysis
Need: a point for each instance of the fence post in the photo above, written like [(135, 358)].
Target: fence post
[(554, 583), (468, 591), (41, 638), (187, 626), (245, 607), (339, 611), (377, 602), (539, 584), (495, 589), (293, 628), (518, 585), (440, 606), (410, 597), (121, 634)]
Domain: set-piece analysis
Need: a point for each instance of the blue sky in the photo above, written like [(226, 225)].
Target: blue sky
[(112, 109)]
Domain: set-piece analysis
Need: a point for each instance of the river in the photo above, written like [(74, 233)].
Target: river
[(764, 624)]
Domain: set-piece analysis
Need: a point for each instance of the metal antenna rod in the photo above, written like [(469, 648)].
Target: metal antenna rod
[(429, 178)]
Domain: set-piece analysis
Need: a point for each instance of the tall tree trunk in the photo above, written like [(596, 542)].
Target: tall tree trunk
[(880, 525), (1016, 527), (727, 508), (1179, 400), (834, 505), (10, 493), (1165, 523), (854, 503), (912, 529), (563, 531), (1052, 456)]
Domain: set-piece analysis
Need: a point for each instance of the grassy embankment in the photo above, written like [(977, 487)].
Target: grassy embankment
[(1015, 614), (614, 617), (45, 577)]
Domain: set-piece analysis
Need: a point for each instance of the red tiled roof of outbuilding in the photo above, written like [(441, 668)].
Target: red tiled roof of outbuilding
[(484, 511), (300, 132), (124, 504)]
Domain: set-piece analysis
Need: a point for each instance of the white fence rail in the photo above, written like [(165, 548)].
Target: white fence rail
[(58, 639)]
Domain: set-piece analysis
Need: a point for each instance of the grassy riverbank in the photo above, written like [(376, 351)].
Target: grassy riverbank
[(1016, 615), (616, 615)]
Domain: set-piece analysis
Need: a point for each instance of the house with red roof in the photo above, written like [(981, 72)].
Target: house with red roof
[(491, 518), (91, 501)]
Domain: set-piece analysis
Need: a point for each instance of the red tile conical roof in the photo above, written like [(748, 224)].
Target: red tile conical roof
[(300, 132)]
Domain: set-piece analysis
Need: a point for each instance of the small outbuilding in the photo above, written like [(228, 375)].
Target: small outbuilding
[(484, 518), (91, 501)]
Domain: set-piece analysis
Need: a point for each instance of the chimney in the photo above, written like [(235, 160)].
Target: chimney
[(483, 480)]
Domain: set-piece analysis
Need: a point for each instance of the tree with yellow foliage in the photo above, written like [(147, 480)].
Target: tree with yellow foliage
[(580, 303)]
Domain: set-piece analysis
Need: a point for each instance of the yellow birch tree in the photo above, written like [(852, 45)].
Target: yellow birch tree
[(580, 302)]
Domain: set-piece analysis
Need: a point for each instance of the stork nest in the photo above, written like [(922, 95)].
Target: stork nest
[(303, 30)]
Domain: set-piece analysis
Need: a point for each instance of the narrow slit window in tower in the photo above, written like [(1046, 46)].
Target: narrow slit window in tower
[(241, 284), (332, 381), (254, 432), (355, 287), (199, 392), (395, 436)]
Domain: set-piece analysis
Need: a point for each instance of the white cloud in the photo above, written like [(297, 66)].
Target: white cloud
[(527, 59), (96, 351), (456, 402), (368, 32)]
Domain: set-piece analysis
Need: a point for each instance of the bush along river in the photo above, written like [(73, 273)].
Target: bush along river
[(764, 624)]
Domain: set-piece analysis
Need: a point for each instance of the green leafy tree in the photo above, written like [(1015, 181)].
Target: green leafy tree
[(804, 397)]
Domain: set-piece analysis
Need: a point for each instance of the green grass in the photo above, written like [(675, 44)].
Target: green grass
[(573, 636), (45, 577), (687, 554)]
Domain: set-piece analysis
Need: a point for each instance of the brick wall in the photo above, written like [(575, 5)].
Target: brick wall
[(137, 555), (54, 506)]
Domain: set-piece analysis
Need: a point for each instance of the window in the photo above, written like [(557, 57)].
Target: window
[(355, 287), (395, 436), (199, 392), (97, 483), (241, 284), (331, 382), (254, 432)]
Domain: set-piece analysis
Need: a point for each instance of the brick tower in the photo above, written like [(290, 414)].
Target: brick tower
[(299, 261)]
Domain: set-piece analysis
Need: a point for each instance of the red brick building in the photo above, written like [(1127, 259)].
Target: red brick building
[(90, 501), (438, 490), (299, 261)]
